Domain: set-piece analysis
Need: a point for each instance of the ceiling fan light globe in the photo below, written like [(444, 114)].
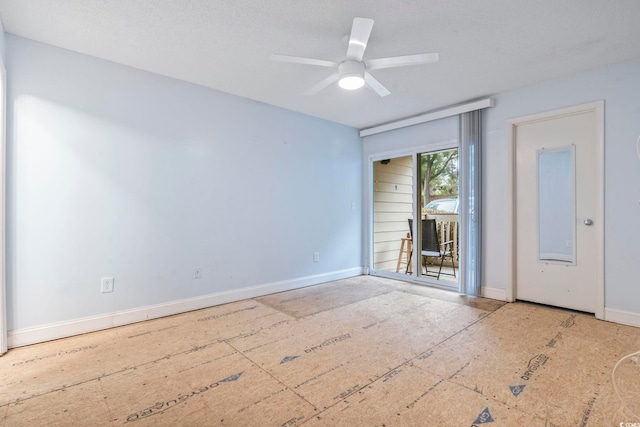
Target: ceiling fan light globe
[(351, 75), (352, 82)]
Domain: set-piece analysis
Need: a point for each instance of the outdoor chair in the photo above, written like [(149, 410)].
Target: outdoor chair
[(432, 247)]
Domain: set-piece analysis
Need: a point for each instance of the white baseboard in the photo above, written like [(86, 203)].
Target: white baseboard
[(623, 317), (52, 331), (493, 293)]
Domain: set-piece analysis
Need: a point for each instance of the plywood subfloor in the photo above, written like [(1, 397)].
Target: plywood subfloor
[(358, 352)]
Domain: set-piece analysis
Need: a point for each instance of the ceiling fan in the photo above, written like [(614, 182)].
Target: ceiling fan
[(353, 72)]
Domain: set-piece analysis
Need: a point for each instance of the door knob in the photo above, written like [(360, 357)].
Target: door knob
[(588, 221)]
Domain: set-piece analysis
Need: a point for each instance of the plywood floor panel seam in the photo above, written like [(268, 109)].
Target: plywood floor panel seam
[(272, 376), (99, 377), (400, 366)]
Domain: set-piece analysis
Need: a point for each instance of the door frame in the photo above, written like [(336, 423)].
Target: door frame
[(3, 206), (596, 107)]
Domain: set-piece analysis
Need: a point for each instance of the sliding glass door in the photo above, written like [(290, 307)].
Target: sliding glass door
[(425, 194), (438, 188), (415, 228)]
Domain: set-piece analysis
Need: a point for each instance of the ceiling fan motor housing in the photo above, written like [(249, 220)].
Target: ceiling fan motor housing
[(350, 68)]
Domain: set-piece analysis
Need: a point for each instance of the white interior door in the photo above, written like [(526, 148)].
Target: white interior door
[(558, 203)]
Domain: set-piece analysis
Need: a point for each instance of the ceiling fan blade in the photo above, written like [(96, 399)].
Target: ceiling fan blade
[(375, 85), (360, 32), (300, 60), (321, 84), (401, 61)]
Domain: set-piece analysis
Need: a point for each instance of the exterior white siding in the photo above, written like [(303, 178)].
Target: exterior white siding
[(392, 206)]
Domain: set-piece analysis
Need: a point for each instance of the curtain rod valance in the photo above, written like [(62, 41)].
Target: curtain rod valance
[(428, 117)]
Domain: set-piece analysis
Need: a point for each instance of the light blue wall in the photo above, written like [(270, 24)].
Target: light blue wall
[(619, 87), (117, 172)]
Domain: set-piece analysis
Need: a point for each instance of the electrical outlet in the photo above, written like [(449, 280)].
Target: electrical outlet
[(106, 284), (197, 273), (316, 257)]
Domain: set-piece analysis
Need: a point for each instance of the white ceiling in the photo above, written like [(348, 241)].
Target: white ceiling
[(486, 47)]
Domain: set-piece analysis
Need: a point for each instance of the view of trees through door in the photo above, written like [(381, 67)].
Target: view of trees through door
[(436, 183)]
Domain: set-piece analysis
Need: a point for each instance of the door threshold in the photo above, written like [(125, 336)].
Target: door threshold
[(556, 308)]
